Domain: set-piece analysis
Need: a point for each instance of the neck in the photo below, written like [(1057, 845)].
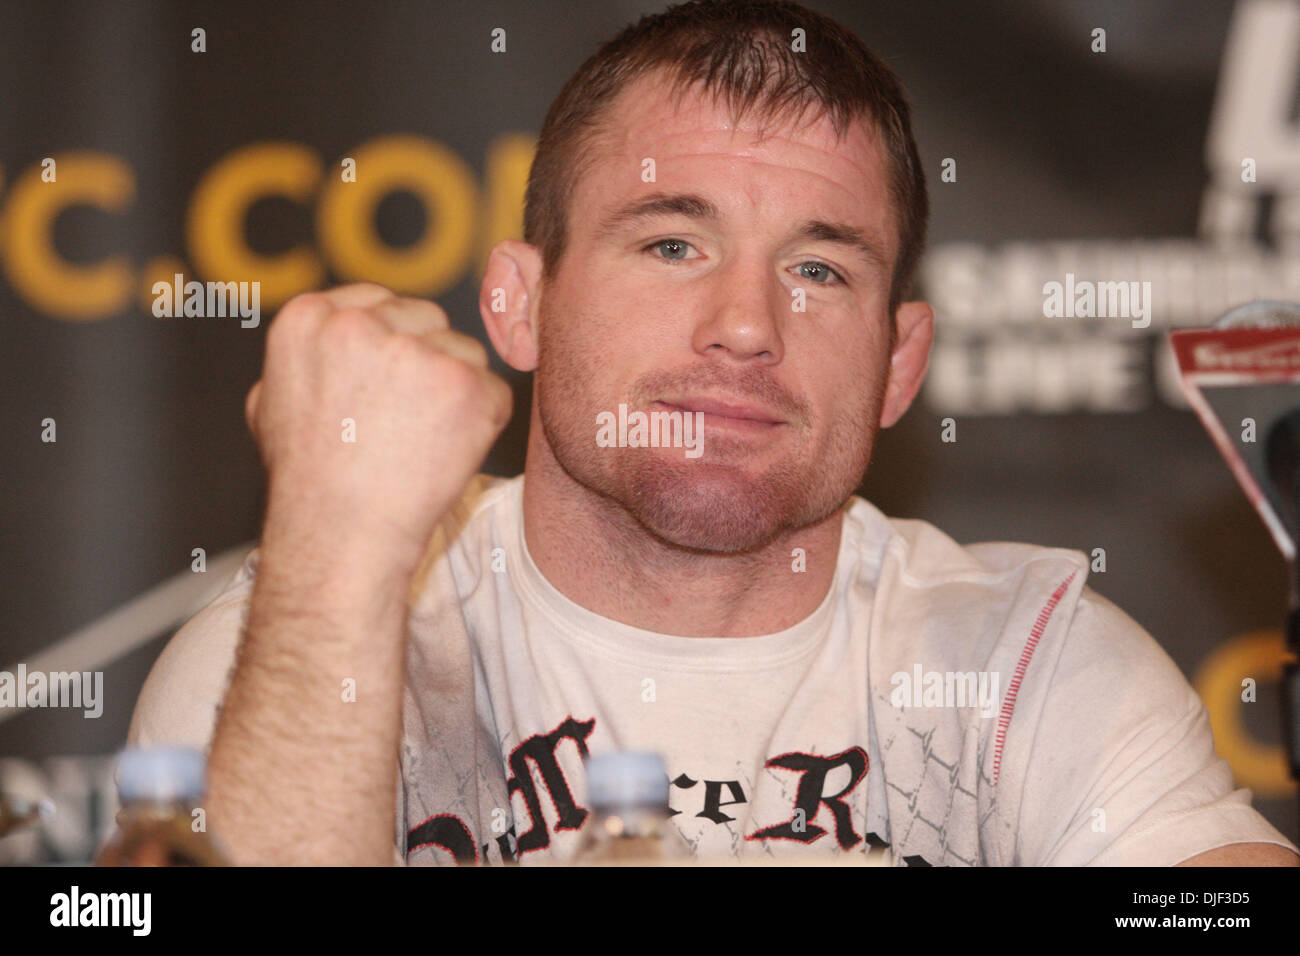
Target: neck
[(598, 556)]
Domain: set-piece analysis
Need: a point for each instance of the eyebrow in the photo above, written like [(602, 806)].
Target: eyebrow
[(850, 237), (659, 204), (693, 206)]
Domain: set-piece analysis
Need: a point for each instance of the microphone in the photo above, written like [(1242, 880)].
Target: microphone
[(1282, 456)]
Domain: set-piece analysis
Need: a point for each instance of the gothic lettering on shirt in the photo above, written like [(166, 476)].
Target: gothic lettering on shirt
[(810, 796), (539, 752), (540, 749)]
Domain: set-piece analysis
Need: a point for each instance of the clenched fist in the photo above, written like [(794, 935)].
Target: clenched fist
[(372, 414)]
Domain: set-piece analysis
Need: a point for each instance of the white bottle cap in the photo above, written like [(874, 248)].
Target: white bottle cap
[(627, 778), (160, 773)]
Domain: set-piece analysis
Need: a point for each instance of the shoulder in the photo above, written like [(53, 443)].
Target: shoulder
[(1122, 743), (179, 700), (466, 534), (982, 604), (926, 556), (1107, 644)]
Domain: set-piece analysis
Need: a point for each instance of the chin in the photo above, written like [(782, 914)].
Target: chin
[(714, 507)]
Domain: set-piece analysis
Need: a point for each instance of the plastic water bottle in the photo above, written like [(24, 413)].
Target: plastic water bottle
[(160, 788), (629, 822), (19, 812)]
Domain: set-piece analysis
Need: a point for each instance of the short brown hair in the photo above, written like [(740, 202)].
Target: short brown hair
[(739, 51)]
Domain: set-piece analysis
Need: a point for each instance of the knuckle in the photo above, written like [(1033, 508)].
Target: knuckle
[(369, 287), (353, 323), (480, 350), (475, 348), (435, 313), (415, 315), (505, 402), (298, 316), (456, 375), (306, 307), (408, 349)]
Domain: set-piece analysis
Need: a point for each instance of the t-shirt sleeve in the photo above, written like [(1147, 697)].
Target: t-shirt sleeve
[(1123, 770), (181, 697)]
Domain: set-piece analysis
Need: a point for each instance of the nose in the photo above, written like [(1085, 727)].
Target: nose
[(744, 314)]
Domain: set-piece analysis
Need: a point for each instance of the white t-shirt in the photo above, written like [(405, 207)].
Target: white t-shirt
[(964, 705)]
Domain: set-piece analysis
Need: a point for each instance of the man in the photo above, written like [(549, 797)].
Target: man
[(723, 218)]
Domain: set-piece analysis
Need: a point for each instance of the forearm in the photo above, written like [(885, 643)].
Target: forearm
[(303, 763), (302, 771)]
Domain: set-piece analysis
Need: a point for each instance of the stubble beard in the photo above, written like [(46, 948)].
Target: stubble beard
[(716, 503)]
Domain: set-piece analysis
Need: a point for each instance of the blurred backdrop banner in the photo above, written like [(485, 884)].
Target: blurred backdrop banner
[(1101, 172)]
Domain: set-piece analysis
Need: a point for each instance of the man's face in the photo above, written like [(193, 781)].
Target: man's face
[(741, 288)]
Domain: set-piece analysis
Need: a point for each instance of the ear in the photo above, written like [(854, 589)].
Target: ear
[(911, 358), (508, 300)]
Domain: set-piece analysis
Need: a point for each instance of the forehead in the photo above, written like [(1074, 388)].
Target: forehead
[(695, 141)]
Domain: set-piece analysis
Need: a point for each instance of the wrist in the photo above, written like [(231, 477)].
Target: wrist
[(340, 538)]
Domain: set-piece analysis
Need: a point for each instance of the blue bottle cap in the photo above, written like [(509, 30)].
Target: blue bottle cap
[(627, 778), (160, 773)]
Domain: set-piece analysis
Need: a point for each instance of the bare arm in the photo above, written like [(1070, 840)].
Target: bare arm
[(298, 773), (1245, 854), (371, 416)]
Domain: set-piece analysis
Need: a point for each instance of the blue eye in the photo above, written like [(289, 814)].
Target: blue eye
[(821, 274), (676, 245)]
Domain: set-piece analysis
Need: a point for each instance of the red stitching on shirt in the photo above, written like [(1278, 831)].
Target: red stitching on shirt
[(1009, 705)]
